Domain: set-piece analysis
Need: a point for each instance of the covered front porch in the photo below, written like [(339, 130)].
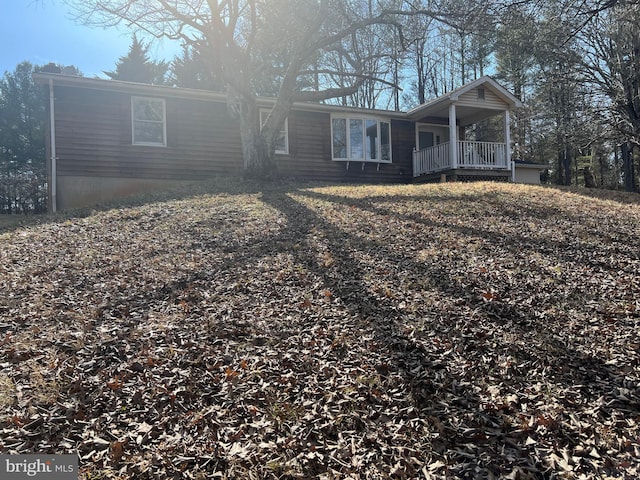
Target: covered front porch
[(448, 138), (467, 155)]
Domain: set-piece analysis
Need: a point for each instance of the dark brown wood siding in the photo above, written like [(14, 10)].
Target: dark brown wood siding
[(93, 135), (310, 153), (403, 141), (93, 138)]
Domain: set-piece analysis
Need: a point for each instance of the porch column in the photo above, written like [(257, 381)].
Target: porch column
[(507, 136), (453, 135)]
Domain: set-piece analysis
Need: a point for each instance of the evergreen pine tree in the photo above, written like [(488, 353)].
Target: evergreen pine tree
[(23, 175), (137, 67), (194, 68)]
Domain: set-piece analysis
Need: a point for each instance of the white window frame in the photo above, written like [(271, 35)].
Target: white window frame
[(363, 118), (134, 121), (284, 131)]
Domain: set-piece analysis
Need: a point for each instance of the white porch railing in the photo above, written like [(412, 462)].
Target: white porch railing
[(482, 155), (432, 159), (471, 155)]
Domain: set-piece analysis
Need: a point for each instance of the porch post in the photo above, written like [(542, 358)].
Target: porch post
[(453, 135), (507, 136)]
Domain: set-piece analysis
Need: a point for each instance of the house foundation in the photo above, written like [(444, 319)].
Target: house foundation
[(80, 191)]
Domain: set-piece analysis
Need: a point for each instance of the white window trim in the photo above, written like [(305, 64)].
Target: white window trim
[(164, 122), (285, 129), (364, 118)]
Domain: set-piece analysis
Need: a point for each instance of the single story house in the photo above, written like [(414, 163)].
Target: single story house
[(109, 138)]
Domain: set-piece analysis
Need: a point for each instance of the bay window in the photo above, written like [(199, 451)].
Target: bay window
[(364, 139)]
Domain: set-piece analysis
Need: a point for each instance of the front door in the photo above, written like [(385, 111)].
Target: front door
[(425, 139), (429, 135)]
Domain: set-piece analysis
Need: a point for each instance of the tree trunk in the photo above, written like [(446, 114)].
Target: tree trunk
[(602, 165), (589, 178), (420, 73), (560, 164), (627, 163), (258, 162), (567, 163)]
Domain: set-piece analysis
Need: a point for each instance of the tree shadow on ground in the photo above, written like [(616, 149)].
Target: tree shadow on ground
[(587, 376), (478, 373), (619, 196), (512, 241), (468, 364)]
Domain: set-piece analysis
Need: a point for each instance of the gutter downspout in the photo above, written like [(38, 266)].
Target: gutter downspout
[(54, 166)]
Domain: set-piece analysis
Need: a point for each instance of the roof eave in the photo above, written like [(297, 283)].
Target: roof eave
[(419, 111), (180, 92), (532, 166), (149, 89)]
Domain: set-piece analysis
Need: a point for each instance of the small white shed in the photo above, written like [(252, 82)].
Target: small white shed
[(526, 172)]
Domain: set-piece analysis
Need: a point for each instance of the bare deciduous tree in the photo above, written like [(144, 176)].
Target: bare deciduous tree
[(310, 37), (611, 62)]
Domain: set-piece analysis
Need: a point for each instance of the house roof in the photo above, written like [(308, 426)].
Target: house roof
[(120, 86), (180, 92), (530, 165), (438, 107)]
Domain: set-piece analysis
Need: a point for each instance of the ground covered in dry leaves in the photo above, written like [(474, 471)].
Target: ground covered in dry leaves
[(435, 331)]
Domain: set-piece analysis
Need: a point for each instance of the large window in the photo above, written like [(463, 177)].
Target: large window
[(360, 139), (148, 121), (282, 142)]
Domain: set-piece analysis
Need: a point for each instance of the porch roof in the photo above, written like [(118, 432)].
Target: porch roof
[(469, 109)]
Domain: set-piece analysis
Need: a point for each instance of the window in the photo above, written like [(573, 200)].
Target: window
[(385, 141), (481, 93), (282, 142), (339, 138), (355, 138), (371, 139), (360, 139), (148, 121)]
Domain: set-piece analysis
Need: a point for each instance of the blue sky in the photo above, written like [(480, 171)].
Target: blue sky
[(42, 31)]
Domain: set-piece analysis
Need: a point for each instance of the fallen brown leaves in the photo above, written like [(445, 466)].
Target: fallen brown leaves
[(443, 331)]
